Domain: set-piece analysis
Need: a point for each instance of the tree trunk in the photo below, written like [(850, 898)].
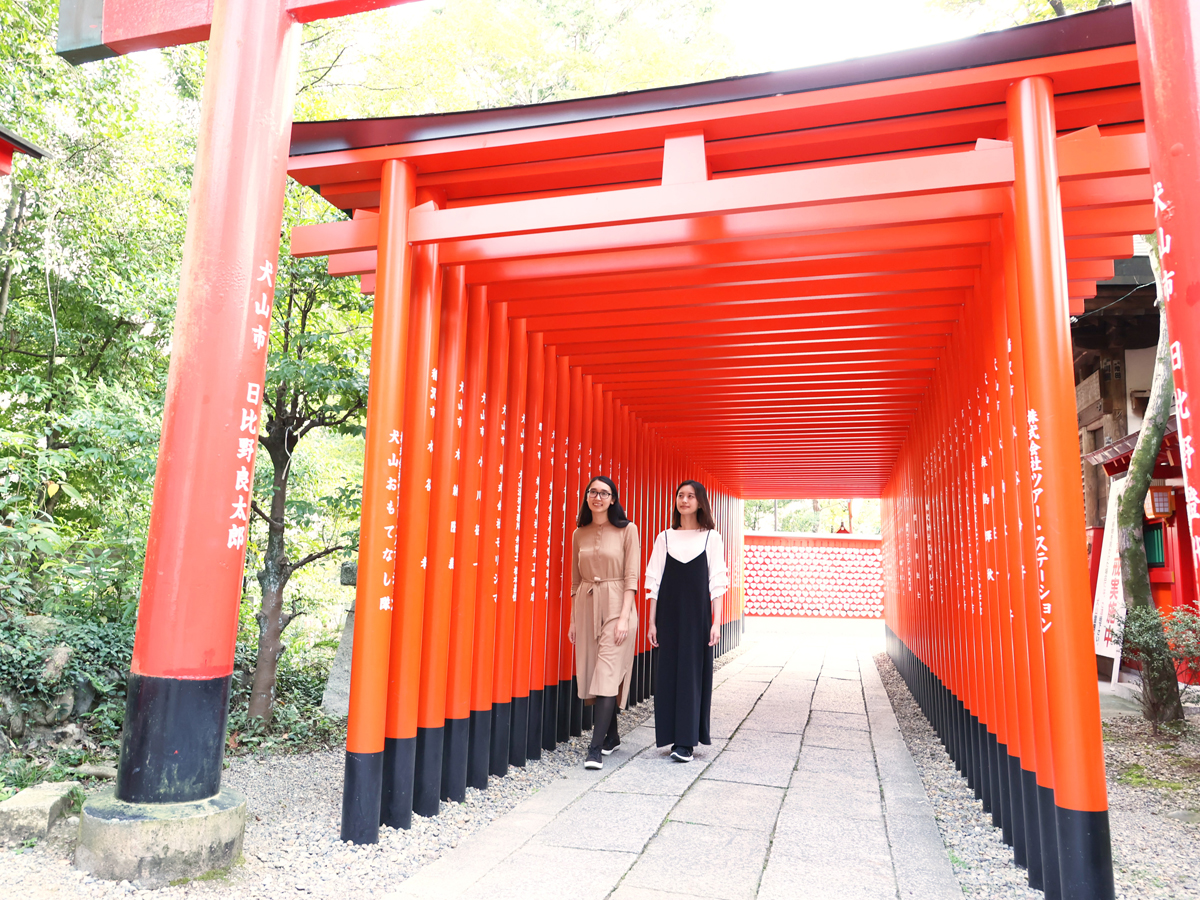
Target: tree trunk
[(273, 578), (850, 515), (1159, 684), (13, 217)]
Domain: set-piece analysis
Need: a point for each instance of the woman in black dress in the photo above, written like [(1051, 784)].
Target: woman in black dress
[(685, 578)]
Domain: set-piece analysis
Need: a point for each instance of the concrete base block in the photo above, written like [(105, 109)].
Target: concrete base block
[(31, 812), (154, 844), (336, 699)]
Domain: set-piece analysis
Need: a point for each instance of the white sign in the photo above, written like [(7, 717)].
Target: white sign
[(1108, 608)]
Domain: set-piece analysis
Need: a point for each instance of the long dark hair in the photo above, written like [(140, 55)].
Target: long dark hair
[(616, 515), (704, 516)]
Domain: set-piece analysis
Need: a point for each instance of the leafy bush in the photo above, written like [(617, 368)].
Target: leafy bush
[(98, 662), (1161, 644)]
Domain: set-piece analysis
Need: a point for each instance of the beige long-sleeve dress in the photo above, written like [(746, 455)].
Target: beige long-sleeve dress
[(606, 563)]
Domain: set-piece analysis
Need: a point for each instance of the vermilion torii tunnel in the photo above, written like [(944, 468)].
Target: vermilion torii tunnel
[(850, 280)]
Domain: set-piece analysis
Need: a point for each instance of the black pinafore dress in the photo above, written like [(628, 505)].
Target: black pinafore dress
[(683, 685)]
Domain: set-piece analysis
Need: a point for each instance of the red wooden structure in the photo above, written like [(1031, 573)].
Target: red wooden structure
[(11, 144), (852, 280), (1173, 576), (826, 575), (848, 280)]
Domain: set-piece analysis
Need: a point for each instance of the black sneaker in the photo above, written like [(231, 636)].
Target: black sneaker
[(608, 748), (593, 760), (680, 753)]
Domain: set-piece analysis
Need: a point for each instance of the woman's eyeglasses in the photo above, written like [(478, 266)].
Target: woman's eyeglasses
[(599, 495)]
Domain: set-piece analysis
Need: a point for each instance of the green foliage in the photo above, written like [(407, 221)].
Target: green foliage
[(99, 659), (1161, 644), (475, 54), (814, 516), (298, 723), (992, 14)]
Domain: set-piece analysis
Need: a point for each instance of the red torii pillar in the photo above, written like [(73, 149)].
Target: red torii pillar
[(1167, 59), (174, 737)]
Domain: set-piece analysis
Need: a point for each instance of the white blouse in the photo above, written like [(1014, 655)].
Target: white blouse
[(686, 546)]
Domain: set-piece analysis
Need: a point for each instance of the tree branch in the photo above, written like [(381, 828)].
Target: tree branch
[(313, 557), (262, 515)]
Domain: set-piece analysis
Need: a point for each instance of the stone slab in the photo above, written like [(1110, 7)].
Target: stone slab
[(730, 805), (653, 775), (824, 760), (335, 700), (606, 820), (754, 741), (773, 769), (702, 861), (855, 720), (834, 738), (30, 813), (824, 878), (544, 872), (772, 717)]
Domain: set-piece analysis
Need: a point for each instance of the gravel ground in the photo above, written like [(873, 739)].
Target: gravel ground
[(1149, 777), (292, 846)]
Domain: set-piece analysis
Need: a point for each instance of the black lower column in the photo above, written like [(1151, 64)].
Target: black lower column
[(550, 713), (399, 764), (1047, 822), (454, 759), (1085, 866), (479, 744), (362, 786), (1016, 812), (1033, 831), (533, 730), (563, 730), (501, 725), (427, 771), (173, 742), (518, 733), (576, 709)]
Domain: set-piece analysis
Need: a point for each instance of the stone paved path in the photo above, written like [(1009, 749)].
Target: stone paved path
[(807, 790)]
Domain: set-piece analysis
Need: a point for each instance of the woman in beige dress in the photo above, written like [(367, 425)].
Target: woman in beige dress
[(605, 567)]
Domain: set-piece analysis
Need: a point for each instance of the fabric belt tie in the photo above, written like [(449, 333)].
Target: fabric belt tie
[(597, 617)]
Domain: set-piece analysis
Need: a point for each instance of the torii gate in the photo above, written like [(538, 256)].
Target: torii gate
[(174, 735), (173, 740)]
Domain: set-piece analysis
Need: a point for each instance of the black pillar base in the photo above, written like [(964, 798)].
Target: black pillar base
[(1017, 812), (454, 759), (533, 729), (1049, 831), (550, 713), (427, 772), (1033, 830), (563, 726), (173, 742), (589, 717), (576, 709), (399, 765), (501, 730), (362, 785), (518, 731), (478, 748), (1085, 855), (1002, 811)]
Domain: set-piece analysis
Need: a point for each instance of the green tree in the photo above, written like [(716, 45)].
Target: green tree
[(1160, 686), (316, 379), (476, 54), (87, 282), (1006, 13)]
